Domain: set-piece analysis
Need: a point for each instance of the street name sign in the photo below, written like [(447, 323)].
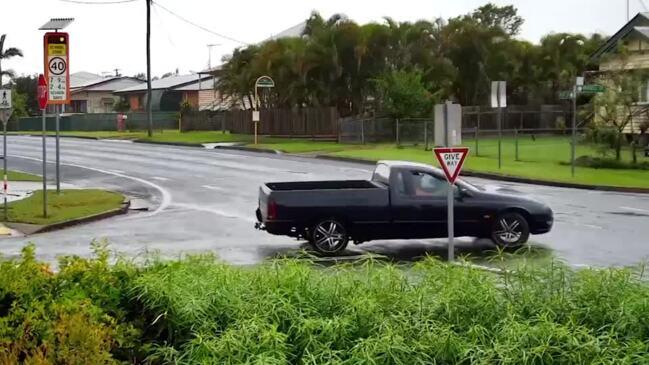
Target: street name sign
[(451, 160), (57, 67), (265, 81), (592, 89)]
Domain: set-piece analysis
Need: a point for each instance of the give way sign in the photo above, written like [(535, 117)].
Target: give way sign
[(451, 161)]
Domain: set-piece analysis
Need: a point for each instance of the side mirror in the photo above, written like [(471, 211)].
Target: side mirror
[(463, 193)]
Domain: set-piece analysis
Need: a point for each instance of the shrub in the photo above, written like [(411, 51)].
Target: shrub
[(290, 311)]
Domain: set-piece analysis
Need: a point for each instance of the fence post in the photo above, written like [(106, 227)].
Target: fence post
[(516, 144), (477, 136), (398, 142), (362, 131), (425, 135)]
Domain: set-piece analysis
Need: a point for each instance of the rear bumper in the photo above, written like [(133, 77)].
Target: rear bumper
[(277, 227)]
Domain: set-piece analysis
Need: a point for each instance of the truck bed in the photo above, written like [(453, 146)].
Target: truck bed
[(322, 185)]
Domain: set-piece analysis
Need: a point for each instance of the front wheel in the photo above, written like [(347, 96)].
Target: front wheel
[(510, 230), (329, 236)]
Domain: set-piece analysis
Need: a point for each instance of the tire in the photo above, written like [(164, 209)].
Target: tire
[(510, 229), (329, 237)]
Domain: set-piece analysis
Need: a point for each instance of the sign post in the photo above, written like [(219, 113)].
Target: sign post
[(5, 113), (263, 82), (41, 92), (499, 101), (451, 160), (57, 73)]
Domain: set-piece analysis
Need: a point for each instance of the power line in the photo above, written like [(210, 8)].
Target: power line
[(98, 2), (198, 26)]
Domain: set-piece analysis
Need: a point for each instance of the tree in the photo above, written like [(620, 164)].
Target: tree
[(404, 95), (506, 18), (7, 54), (26, 85)]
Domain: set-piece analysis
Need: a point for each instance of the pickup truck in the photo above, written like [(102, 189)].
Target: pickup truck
[(403, 200)]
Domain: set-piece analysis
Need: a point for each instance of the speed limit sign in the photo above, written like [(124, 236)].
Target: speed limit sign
[(57, 70)]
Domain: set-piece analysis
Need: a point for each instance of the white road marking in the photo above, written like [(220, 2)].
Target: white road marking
[(211, 187), (160, 178), (635, 209), (166, 196), (216, 212)]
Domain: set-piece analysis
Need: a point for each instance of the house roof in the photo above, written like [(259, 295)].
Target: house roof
[(204, 84), (79, 79), (112, 83), (639, 25), (294, 31), (170, 82)]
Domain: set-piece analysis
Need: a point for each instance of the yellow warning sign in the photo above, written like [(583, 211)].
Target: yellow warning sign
[(56, 49)]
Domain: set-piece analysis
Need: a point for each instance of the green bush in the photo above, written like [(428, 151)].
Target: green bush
[(201, 311), (608, 163)]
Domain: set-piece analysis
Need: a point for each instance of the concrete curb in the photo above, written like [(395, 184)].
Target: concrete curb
[(73, 222), (52, 136), (249, 149), (508, 178), (177, 144)]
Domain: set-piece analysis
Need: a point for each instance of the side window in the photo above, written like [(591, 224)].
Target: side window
[(422, 185)]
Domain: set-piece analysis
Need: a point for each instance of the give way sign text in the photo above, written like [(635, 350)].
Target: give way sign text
[(451, 160)]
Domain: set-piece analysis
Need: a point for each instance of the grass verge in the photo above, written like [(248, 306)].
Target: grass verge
[(22, 176), (69, 204), (201, 311)]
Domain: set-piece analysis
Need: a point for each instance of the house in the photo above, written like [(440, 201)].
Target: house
[(633, 37), (167, 94), (91, 93)]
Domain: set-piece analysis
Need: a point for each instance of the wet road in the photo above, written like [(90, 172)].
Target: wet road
[(204, 200)]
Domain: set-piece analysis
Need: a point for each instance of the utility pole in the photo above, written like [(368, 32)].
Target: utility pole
[(209, 56), (148, 69)]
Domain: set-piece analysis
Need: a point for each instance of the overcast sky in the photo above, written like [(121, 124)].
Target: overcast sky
[(105, 37)]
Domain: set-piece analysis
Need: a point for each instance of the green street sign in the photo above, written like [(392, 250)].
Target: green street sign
[(265, 81), (565, 95), (592, 89)]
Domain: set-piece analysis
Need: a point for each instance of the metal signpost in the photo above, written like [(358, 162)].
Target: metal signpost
[(451, 160), (56, 50), (263, 82), (448, 124), (41, 92), (499, 101), (5, 113), (572, 95)]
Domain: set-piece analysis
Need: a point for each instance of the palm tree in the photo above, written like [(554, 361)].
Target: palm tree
[(6, 54)]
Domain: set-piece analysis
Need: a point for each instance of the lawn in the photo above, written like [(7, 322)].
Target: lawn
[(538, 159), (69, 204), (22, 176)]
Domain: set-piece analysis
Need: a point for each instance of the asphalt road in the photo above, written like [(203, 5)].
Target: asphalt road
[(204, 200)]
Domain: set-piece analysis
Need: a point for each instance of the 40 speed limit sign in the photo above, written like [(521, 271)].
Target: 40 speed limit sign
[(57, 68)]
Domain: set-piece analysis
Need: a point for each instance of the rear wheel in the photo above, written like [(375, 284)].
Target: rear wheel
[(510, 230), (329, 236)]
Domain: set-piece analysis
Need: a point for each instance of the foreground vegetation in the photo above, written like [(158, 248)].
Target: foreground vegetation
[(199, 310), (69, 204)]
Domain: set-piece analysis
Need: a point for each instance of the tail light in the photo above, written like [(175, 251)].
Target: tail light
[(271, 210)]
